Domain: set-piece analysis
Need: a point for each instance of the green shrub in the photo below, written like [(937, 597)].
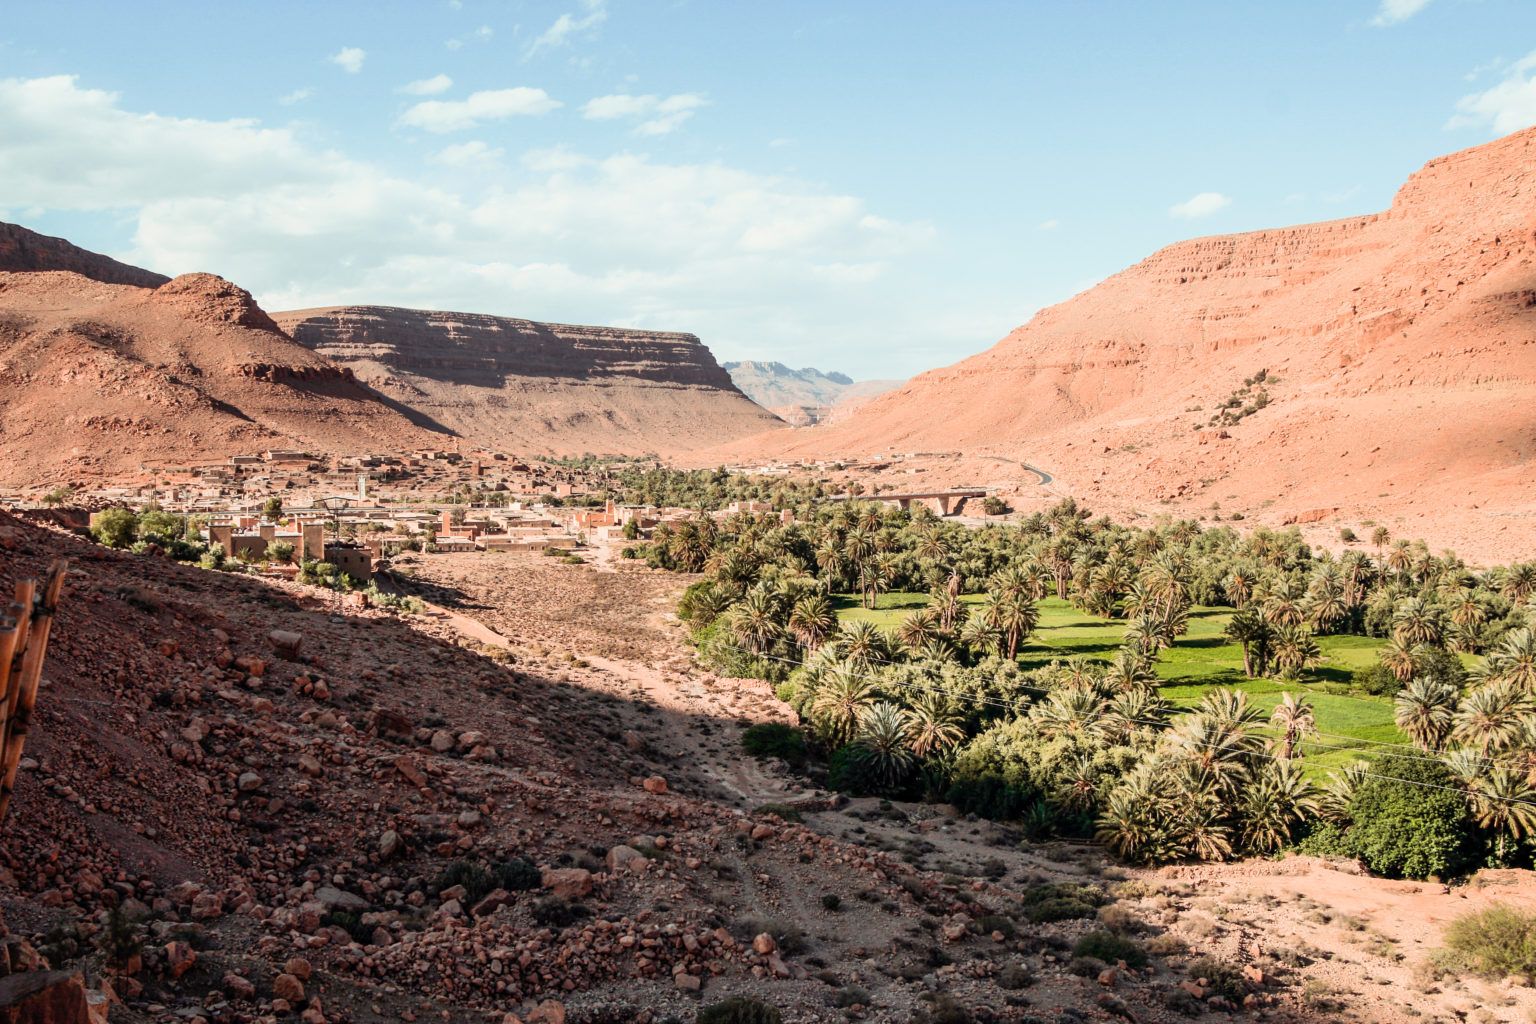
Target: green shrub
[(1061, 901), (475, 879), (775, 739), (518, 874), (1409, 821), (831, 901), (1110, 948), (1499, 941), (739, 1010), (1015, 976)]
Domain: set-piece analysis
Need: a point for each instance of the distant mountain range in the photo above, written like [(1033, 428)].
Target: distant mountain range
[(806, 396)]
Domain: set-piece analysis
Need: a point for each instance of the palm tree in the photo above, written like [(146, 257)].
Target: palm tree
[(1132, 711), (755, 621), (1129, 671), (1399, 658), (841, 698), (1284, 602), (874, 577), (1015, 614), (812, 621), (932, 726), (1519, 582), (1416, 621), (1424, 710), (981, 635), (1255, 635), (1380, 538), (863, 643), (1295, 720), (918, 629), (1505, 800), (1295, 650), (883, 745), (1325, 605), (1514, 660), (1489, 717), (1274, 803), (1073, 712)]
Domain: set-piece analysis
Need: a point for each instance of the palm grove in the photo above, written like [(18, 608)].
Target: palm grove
[(940, 707)]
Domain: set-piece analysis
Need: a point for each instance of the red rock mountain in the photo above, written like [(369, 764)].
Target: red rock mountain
[(102, 380), (24, 250), (529, 386), (1399, 350)]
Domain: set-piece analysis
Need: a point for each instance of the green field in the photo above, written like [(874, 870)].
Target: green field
[(1202, 658)]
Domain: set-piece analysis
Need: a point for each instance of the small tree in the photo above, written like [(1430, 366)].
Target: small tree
[(115, 527), (272, 510)]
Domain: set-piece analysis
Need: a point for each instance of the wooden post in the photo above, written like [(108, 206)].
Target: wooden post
[(21, 669)]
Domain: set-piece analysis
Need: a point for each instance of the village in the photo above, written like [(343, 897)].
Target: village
[(280, 509)]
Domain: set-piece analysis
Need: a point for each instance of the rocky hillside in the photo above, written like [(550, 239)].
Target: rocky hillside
[(520, 384), (806, 396), (1397, 353), (103, 379), (24, 250)]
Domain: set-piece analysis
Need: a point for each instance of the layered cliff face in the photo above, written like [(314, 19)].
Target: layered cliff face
[(1399, 351), (108, 380), (24, 250), (806, 396), (523, 385)]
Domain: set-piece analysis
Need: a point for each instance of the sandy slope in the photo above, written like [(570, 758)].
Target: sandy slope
[(1400, 347)]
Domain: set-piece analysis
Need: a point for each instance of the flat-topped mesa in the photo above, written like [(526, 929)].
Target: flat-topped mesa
[(22, 250), (519, 384), (472, 348)]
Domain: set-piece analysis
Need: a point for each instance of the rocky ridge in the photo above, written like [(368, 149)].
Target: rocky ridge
[(25, 250), (100, 380)]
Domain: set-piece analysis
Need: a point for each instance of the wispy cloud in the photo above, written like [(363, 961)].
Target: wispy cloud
[(656, 115), (1050, 225), (297, 96), (592, 14), (349, 59), (1202, 204), (1393, 11), (427, 86), (1506, 107), (479, 107)]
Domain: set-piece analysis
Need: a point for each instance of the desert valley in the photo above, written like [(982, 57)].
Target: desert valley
[(1174, 658)]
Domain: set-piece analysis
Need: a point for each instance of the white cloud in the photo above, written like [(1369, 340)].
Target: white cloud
[(297, 96), (593, 13), (556, 235), (488, 105), (1393, 11), (1506, 107), (468, 154), (1202, 205), (1050, 225), (427, 86), (349, 59), (656, 115)]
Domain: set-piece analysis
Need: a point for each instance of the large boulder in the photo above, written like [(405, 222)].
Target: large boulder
[(44, 997)]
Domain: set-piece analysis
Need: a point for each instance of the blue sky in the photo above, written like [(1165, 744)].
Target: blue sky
[(876, 187)]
